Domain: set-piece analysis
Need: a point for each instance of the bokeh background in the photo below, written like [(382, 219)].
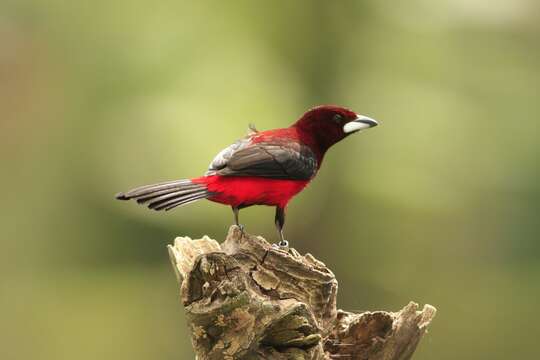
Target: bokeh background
[(439, 205)]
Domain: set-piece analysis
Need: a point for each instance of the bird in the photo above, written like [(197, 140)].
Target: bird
[(263, 168)]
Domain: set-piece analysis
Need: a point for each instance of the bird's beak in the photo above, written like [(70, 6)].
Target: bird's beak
[(360, 123)]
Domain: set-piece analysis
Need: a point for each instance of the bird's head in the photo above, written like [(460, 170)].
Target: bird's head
[(329, 124)]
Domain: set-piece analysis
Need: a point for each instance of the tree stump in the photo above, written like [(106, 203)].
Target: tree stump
[(245, 299)]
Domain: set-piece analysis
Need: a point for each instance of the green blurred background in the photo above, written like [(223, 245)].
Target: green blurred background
[(440, 204)]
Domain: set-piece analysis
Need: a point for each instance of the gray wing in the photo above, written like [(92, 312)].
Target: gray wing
[(277, 160), (223, 157)]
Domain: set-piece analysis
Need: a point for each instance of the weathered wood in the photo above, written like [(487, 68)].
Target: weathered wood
[(245, 299)]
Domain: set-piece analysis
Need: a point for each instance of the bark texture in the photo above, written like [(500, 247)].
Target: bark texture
[(245, 299)]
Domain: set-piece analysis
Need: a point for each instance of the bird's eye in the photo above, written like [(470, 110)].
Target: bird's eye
[(337, 118)]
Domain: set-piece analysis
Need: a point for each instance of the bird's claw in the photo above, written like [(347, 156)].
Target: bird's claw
[(242, 228), (282, 245)]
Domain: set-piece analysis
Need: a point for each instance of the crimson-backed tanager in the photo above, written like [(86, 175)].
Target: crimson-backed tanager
[(264, 168)]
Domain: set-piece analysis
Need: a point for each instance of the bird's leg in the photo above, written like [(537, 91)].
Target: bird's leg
[(280, 221), (236, 211)]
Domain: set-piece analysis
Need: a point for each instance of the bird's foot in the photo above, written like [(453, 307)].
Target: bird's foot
[(242, 228), (282, 245)]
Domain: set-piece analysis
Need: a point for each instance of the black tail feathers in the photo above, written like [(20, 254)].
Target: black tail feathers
[(167, 195)]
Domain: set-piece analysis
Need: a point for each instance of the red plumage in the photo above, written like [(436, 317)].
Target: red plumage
[(247, 191), (264, 168)]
